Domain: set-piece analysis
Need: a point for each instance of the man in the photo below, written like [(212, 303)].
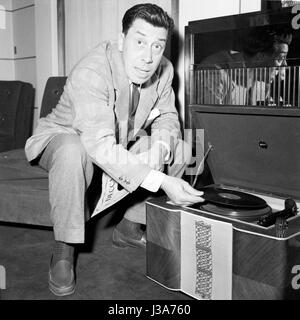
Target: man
[(244, 78), (92, 125)]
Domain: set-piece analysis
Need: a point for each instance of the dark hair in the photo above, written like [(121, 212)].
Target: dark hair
[(149, 12), (262, 40)]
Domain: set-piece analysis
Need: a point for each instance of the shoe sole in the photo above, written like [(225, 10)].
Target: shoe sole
[(61, 292)]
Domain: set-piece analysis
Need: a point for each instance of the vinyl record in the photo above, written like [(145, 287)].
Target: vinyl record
[(232, 198), (248, 215)]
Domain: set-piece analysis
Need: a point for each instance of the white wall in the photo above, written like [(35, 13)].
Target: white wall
[(46, 47), (18, 33), (7, 4), (24, 32), (190, 10), (24, 40), (89, 22), (7, 67), (17, 4)]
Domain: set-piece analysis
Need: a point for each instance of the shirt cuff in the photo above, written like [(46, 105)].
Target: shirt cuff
[(163, 143), (153, 181)]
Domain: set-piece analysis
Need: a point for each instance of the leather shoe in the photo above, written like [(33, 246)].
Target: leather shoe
[(62, 278), (120, 240)]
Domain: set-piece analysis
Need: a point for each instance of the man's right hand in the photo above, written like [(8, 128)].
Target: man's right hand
[(180, 192)]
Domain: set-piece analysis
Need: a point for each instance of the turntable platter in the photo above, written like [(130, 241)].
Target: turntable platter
[(232, 198), (240, 214)]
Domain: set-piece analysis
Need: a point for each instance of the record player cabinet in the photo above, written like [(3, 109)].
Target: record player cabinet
[(255, 149), (264, 267)]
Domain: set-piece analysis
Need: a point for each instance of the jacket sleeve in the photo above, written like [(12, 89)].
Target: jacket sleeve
[(94, 120)]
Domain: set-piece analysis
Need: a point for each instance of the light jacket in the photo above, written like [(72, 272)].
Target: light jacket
[(95, 106)]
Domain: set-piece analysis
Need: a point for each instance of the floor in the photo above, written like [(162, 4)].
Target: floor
[(103, 272)]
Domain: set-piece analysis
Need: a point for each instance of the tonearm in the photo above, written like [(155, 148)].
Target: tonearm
[(290, 210)]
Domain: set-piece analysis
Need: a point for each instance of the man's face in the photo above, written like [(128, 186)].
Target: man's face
[(280, 54), (143, 47), (273, 61), (281, 51)]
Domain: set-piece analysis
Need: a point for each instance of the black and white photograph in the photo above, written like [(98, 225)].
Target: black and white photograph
[(149, 153)]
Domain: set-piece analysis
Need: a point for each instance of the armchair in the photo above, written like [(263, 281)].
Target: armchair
[(24, 194), (16, 111)]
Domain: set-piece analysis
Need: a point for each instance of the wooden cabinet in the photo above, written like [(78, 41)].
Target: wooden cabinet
[(232, 122)]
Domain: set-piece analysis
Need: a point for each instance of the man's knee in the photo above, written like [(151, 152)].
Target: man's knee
[(70, 148), (65, 151)]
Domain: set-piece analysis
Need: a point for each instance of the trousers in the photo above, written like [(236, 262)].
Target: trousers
[(70, 172)]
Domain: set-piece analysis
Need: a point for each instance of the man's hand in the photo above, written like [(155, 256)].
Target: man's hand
[(180, 192)]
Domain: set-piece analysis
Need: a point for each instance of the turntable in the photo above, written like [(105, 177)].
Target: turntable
[(234, 204), (243, 206), (243, 241)]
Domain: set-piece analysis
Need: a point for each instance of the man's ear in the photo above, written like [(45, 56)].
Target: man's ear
[(121, 41)]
